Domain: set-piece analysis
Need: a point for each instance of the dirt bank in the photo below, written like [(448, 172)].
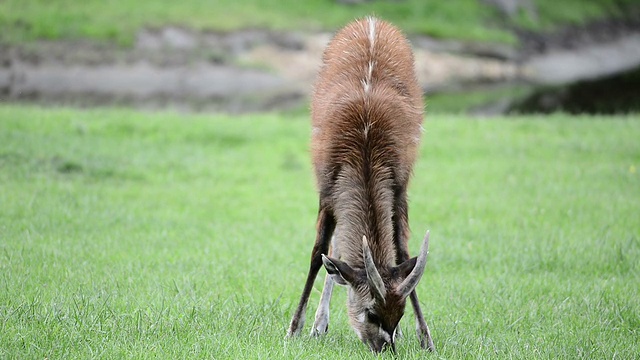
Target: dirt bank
[(254, 70), (238, 72)]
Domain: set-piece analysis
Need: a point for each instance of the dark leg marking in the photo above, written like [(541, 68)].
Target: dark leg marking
[(401, 234), (325, 226)]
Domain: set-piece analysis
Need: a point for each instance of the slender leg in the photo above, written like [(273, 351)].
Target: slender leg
[(321, 323), (401, 234), (426, 342), (325, 227)]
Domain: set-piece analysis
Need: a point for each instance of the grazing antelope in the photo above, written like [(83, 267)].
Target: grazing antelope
[(366, 116)]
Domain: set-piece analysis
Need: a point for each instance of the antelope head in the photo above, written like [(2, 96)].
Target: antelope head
[(377, 296)]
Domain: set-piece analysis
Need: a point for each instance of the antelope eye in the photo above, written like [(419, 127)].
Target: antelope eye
[(373, 317)]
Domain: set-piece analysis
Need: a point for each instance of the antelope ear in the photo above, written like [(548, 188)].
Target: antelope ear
[(406, 267), (411, 281), (342, 273)]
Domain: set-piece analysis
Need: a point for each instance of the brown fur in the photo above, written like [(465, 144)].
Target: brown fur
[(357, 174), (366, 117)]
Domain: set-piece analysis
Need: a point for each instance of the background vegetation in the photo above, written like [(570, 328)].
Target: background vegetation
[(119, 20), (158, 235)]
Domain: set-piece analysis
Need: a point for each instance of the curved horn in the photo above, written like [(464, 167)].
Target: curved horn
[(376, 285), (412, 280)]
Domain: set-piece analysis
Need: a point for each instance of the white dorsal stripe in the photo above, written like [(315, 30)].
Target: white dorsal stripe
[(372, 38), (372, 32)]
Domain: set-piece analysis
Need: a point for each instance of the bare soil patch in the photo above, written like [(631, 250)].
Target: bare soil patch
[(257, 70)]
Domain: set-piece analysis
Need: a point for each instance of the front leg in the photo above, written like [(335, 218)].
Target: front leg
[(401, 235), (325, 227), (321, 323), (426, 342)]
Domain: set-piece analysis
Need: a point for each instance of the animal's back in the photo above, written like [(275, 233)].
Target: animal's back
[(366, 118), (367, 81)]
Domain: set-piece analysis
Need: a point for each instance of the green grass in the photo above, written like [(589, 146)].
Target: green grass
[(160, 235), (552, 13), (465, 101), (119, 20)]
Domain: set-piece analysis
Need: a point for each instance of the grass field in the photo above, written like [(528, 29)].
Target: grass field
[(119, 20), (158, 235)]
